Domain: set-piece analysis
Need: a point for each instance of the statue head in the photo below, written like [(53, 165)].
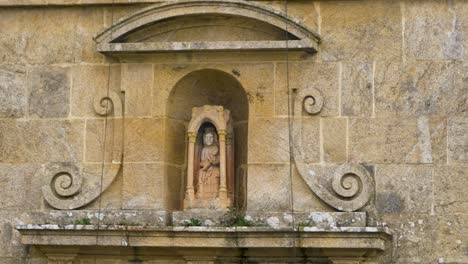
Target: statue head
[(209, 137)]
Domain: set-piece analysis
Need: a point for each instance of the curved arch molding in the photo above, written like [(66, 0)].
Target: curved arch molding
[(350, 186), (72, 185), (108, 40)]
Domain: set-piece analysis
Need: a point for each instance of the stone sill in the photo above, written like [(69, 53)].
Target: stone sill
[(363, 238)]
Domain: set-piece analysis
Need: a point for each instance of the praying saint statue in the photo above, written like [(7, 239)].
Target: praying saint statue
[(209, 174)]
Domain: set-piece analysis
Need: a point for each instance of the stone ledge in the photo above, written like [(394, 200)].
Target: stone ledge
[(369, 238)]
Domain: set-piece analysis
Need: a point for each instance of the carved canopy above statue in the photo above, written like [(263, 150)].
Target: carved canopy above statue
[(206, 25)]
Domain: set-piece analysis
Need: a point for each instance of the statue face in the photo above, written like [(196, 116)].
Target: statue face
[(208, 139)]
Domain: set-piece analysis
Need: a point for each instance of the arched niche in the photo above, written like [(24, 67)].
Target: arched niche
[(197, 89)]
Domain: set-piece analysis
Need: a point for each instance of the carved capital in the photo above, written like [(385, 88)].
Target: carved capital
[(192, 136), (222, 135)]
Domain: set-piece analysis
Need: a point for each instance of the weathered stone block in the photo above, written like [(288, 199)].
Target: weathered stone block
[(403, 188), (90, 81), (310, 139), (414, 235), (397, 140), (420, 88), (360, 30), (11, 248), (49, 92), (450, 239), (143, 186), (461, 9), (91, 21), (175, 142), (174, 190), (305, 200), (334, 133), (12, 93), (450, 189), (41, 141), (432, 31), (305, 75), (306, 12), (268, 188), (28, 39), (110, 198), (137, 82), (95, 143), (144, 140), (458, 140), (20, 186), (357, 95), (268, 140)]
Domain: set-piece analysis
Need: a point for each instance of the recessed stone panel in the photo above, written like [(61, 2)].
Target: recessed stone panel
[(49, 92)]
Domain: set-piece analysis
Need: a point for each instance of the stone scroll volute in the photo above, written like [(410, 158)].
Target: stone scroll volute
[(351, 185), (209, 183), (66, 185)]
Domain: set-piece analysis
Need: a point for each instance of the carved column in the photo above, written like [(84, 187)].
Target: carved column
[(222, 168), (189, 191)]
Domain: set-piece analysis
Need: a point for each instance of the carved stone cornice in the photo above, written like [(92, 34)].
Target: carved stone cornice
[(328, 242)]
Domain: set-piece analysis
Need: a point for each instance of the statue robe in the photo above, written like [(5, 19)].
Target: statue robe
[(208, 177)]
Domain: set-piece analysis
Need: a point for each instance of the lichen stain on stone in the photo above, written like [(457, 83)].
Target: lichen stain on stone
[(390, 203)]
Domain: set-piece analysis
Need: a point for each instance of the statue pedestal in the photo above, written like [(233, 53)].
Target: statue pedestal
[(207, 217)]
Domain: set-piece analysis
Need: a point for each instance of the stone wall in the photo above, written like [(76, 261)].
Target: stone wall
[(394, 76)]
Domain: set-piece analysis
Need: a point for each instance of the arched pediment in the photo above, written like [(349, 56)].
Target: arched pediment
[(206, 25)]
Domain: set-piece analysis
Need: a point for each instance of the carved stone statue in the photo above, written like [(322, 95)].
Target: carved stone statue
[(208, 174), (210, 170)]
